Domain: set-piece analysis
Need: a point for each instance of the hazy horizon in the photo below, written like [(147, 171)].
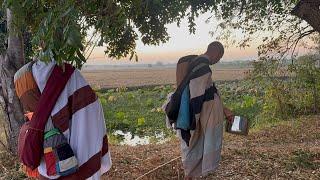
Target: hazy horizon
[(181, 43)]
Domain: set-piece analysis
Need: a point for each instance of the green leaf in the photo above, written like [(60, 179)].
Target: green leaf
[(141, 121), (120, 115), (131, 56), (74, 37), (149, 102), (67, 12)]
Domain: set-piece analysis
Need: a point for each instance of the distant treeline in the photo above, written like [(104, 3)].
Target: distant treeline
[(230, 64)]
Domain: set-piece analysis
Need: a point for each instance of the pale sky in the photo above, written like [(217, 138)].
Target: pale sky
[(181, 43)]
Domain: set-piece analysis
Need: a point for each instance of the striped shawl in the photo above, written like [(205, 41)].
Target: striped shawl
[(77, 113), (201, 144)]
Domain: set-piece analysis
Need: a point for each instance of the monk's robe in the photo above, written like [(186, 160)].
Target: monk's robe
[(77, 114), (201, 143)]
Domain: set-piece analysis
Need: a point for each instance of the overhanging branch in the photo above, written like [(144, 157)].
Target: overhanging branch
[(309, 11), (302, 35)]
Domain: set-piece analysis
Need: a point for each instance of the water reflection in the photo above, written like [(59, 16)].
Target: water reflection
[(134, 140)]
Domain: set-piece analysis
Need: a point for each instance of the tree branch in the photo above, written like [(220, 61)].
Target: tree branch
[(307, 33), (309, 11), (3, 145), (243, 3)]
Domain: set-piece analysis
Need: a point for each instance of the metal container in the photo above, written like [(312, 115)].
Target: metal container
[(238, 125)]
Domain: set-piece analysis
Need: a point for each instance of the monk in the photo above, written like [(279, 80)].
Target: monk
[(75, 142), (200, 120)]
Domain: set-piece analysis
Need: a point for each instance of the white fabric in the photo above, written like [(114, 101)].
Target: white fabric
[(236, 124), (87, 125), (66, 164)]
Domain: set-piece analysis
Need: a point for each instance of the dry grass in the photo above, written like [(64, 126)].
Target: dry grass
[(286, 151), (151, 76), (3, 143)]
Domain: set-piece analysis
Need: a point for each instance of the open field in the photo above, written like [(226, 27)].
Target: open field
[(148, 76), (274, 149), (277, 150)]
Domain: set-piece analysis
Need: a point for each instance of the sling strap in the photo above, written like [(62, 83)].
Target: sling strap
[(172, 108), (31, 136), (54, 86)]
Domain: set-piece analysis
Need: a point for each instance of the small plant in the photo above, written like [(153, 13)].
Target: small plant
[(302, 159), (120, 115), (112, 99), (103, 101), (149, 102), (122, 89), (141, 121)]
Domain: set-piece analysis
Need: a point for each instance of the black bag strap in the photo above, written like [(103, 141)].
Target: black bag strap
[(192, 70), (172, 108)]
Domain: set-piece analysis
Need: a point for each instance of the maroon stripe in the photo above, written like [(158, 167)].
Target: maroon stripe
[(30, 99), (78, 100), (50, 95), (105, 145), (90, 167)]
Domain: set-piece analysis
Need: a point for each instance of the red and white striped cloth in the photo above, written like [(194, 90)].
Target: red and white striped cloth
[(79, 115)]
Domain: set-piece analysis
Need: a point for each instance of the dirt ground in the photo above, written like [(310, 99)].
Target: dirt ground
[(148, 76), (286, 151), (283, 151)]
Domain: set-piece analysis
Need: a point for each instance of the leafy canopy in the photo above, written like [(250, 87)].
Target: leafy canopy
[(67, 30)]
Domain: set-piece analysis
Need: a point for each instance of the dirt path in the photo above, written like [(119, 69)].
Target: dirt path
[(285, 151)]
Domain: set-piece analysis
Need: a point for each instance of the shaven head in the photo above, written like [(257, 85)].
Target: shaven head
[(215, 51)]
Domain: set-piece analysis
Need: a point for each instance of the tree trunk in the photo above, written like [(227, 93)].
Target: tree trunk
[(309, 11), (10, 62), (315, 97)]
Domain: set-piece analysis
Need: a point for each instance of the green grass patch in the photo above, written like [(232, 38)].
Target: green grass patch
[(303, 160), (137, 111)]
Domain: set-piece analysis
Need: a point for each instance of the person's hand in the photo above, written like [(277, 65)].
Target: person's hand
[(228, 113), (29, 115), (230, 118)]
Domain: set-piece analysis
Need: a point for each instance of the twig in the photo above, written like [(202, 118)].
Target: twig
[(3, 145), (6, 148), (5, 169), (302, 35), (92, 48), (156, 168), (178, 171), (87, 45), (242, 7), (5, 132)]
